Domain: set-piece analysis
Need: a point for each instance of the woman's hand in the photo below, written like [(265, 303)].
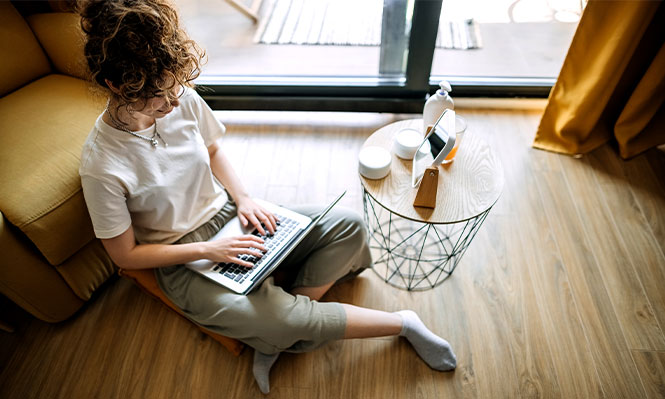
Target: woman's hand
[(248, 210), (251, 212), (228, 249)]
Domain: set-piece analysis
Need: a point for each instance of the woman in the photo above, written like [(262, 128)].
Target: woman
[(158, 185)]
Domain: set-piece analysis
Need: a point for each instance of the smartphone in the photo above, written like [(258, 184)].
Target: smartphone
[(436, 145)]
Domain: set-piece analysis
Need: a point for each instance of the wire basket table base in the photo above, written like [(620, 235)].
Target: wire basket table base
[(412, 255)]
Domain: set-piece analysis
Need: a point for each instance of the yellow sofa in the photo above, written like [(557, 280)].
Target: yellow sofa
[(50, 262)]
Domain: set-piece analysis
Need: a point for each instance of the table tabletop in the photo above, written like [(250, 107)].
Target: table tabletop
[(468, 186)]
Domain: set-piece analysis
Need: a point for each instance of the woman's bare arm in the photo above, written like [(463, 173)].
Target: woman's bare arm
[(248, 210), (127, 254)]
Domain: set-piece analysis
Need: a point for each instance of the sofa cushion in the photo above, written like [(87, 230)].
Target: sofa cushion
[(87, 269), (22, 58), (61, 37), (42, 129)]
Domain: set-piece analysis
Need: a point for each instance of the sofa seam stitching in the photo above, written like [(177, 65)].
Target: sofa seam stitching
[(56, 204)]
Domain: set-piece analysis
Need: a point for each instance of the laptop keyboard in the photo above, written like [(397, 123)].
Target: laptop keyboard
[(274, 242)]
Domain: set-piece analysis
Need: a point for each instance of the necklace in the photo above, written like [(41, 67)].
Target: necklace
[(152, 140)]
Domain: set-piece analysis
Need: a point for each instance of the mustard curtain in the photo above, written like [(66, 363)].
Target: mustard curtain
[(612, 82)]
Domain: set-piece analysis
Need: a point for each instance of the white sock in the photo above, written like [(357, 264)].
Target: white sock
[(434, 350), (261, 369)]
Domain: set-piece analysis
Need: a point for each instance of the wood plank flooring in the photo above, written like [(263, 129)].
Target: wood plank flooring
[(560, 295)]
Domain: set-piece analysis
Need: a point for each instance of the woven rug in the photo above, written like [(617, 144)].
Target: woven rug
[(347, 23)]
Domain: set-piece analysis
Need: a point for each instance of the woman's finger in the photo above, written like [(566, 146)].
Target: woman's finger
[(270, 220), (251, 237), (243, 219), (267, 223), (273, 220), (252, 218), (239, 252), (244, 245), (247, 251), (241, 262)]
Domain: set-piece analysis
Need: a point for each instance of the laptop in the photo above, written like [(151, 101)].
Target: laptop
[(293, 227)]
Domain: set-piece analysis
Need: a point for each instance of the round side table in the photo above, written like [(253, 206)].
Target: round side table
[(418, 248)]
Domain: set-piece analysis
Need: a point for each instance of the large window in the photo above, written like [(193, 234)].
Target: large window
[(367, 55)]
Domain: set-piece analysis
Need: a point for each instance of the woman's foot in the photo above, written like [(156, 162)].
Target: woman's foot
[(261, 369), (434, 350)]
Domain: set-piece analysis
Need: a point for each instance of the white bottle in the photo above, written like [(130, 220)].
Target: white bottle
[(436, 104)]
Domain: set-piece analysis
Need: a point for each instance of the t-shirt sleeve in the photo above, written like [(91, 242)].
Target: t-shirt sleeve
[(211, 128), (107, 207)]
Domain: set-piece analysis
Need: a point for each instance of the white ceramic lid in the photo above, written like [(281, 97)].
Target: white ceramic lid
[(406, 143), (374, 162)]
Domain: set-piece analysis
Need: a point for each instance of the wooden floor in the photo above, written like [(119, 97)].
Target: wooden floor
[(560, 295)]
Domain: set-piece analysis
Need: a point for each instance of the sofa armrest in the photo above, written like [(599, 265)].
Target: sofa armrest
[(29, 281), (61, 37)]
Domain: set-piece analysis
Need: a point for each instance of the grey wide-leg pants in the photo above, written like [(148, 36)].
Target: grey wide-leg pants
[(270, 319)]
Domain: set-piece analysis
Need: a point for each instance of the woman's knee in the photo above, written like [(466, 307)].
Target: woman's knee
[(283, 322), (352, 237), (353, 224), (304, 326)]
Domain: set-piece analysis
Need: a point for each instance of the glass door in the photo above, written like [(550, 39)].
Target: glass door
[(504, 44), (315, 54), (302, 38)]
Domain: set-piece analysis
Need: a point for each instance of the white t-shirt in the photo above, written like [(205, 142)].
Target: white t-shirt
[(163, 192)]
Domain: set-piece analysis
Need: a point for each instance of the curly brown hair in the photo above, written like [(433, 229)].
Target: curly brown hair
[(139, 47)]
